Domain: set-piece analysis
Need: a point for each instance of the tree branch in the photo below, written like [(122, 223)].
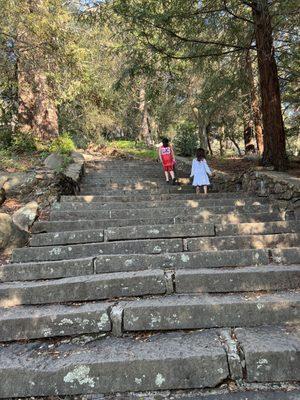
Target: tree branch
[(235, 15)]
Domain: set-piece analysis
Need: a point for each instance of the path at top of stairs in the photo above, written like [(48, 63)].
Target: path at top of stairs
[(136, 285)]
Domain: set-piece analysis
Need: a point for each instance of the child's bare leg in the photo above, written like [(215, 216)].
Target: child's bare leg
[(167, 176), (172, 174), (197, 189), (205, 189)]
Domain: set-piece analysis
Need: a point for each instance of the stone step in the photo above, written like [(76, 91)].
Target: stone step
[(163, 361), (96, 224), (110, 365), (60, 226), (186, 260), (68, 237), (255, 228), (151, 197), (155, 213), (50, 253), (32, 322), (46, 270), (117, 192), (99, 180), (104, 264), (87, 288), (209, 311), (189, 203), (198, 230), (280, 240), (151, 282)]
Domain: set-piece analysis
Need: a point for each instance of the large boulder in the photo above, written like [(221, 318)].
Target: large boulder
[(10, 234), (25, 216), (55, 161), (14, 183)]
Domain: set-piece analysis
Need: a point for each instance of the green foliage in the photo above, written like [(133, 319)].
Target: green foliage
[(5, 138), (63, 144), (137, 149), (186, 141), (23, 143)]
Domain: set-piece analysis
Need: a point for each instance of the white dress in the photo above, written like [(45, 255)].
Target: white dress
[(200, 171)]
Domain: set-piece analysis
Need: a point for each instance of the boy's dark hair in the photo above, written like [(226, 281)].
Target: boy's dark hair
[(165, 142), (200, 154)]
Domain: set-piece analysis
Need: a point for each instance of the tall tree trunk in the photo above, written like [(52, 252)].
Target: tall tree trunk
[(221, 138), (37, 111), (248, 136), (201, 128), (274, 134), (208, 131), (255, 106), (145, 132), (236, 145)]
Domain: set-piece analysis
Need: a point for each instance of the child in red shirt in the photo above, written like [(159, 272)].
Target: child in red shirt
[(167, 158)]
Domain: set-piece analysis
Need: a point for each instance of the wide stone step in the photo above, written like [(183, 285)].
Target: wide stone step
[(187, 203), (89, 190), (160, 362), (110, 365), (96, 224), (155, 213), (99, 180), (151, 197), (141, 283), (280, 240), (100, 224), (85, 288), (187, 260), (255, 228), (69, 237), (50, 253), (32, 322), (105, 264), (160, 231), (209, 311)]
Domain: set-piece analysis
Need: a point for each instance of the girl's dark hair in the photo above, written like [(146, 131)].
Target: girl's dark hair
[(165, 142), (200, 154)]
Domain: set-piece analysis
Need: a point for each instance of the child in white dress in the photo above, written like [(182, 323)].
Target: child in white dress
[(200, 171)]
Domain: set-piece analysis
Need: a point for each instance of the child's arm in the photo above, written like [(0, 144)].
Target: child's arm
[(193, 169), (172, 152), (207, 169), (159, 155)]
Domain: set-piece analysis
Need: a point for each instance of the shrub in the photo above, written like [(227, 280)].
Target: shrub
[(23, 143), (63, 144), (5, 138), (186, 141)]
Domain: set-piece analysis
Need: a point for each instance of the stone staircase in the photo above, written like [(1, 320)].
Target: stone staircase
[(139, 286)]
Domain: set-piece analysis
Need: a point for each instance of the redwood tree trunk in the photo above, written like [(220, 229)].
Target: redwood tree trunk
[(274, 134), (145, 132), (255, 107), (248, 137), (37, 111)]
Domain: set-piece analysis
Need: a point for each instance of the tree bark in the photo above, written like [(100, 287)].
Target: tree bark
[(248, 136), (37, 111), (274, 134), (145, 132), (221, 137), (255, 106), (236, 145), (208, 131)]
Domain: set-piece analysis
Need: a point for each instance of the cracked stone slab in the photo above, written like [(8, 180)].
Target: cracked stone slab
[(46, 270), (84, 288), (109, 365), (32, 322), (242, 242), (244, 279), (160, 231), (54, 253), (187, 260), (233, 217), (64, 238), (211, 311), (271, 354)]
